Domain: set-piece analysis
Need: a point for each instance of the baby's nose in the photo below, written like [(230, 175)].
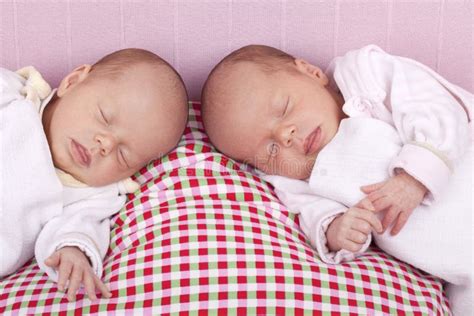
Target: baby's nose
[(287, 135), (106, 143)]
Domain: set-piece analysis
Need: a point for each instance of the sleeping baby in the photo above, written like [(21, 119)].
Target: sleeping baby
[(377, 146), (67, 155)]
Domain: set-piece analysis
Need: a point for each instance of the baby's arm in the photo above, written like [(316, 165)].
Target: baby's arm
[(399, 195), (74, 268), (316, 215), (84, 225), (432, 117)]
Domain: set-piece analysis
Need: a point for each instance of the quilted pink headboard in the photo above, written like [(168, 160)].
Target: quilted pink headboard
[(193, 35)]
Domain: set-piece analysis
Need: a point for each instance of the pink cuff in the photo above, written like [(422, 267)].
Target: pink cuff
[(425, 166)]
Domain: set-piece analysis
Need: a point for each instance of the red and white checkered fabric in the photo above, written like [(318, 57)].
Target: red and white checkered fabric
[(206, 236)]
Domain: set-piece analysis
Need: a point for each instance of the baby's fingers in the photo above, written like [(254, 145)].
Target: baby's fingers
[(366, 204), (381, 204), (74, 283), (89, 286), (102, 287), (401, 221), (53, 260), (390, 216), (371, 219), (367, 189), (351, 246), (357, 237), (65, 269)]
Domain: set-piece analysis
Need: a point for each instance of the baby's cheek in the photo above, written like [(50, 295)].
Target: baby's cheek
[(103, 173), (59, 155), (289, 164)]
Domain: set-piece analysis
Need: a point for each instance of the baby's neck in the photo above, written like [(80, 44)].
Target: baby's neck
[(48, 115), (337, 96)]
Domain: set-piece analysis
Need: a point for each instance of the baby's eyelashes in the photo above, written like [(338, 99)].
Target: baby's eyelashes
[(123, 159), (103, 118), (285, 109)]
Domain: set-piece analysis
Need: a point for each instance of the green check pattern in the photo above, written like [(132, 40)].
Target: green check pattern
[(205, 236)]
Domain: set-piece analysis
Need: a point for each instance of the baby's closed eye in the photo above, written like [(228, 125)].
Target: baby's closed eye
[(122, 158)]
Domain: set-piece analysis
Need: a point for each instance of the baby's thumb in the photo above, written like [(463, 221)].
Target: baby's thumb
[(366, 204), (53, 260)]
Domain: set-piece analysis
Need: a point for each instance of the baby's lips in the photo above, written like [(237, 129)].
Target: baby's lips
[(81, 154)]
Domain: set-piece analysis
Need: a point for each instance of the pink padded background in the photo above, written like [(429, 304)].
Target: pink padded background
[(57, 35)]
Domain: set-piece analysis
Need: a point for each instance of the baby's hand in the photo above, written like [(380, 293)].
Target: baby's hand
[(73, 265), (350, 230), (400, 194)]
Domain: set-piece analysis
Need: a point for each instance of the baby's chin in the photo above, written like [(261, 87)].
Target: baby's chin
[(92, 179), (96, 178), (295, 174), (300, 171)]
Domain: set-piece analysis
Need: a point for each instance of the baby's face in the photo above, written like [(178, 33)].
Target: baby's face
[(102, 131), (277, 122)]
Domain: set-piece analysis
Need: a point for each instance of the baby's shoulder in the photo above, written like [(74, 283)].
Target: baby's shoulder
[(355, 73)]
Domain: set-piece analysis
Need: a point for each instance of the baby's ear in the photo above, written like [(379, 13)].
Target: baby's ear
[(312, 71), (73, 78)]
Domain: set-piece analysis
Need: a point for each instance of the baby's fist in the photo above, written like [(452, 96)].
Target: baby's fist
[(351, 230)]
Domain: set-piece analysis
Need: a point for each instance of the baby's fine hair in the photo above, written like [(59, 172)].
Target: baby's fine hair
[(116, 64), (268, 59)]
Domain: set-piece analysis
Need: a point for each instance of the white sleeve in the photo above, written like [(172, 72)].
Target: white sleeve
[(29, 188), (316, 214), (431, 115), (84, 224), (10, 86)]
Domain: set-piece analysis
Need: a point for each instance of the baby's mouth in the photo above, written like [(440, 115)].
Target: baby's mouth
[(312, 142), (80, 154)]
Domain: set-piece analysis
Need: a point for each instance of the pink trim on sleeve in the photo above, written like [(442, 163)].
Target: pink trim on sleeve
[(423, 165)]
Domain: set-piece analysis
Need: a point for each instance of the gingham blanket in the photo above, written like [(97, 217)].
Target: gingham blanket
[(206, 236)]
